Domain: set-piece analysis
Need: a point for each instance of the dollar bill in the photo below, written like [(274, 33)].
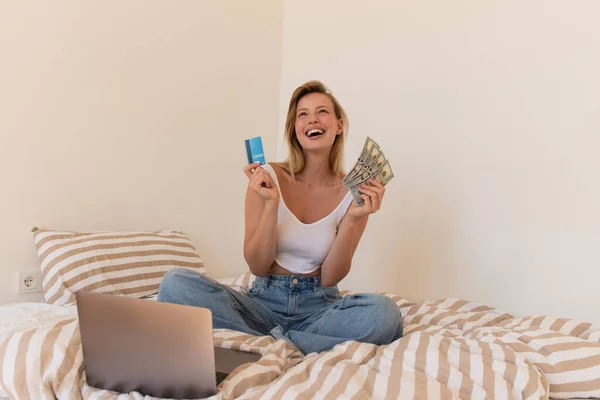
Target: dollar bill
[(385, 174), (379, 161), (371, 163), (362, 167), (356, 194), (370, 169), (355, 170), (362, 177), (362, 159)]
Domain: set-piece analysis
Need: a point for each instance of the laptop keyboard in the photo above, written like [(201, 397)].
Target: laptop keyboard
[(221, 377)]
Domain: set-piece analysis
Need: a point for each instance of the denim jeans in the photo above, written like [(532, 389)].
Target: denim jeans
[(294, 308)]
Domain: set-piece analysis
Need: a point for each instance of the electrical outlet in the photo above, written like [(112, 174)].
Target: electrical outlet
[(29, 280)]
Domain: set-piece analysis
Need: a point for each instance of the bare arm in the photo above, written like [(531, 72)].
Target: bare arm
[(339, 260), (337, 263), (260, 236)]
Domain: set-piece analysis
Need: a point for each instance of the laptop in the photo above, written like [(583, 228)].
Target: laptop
[(157, 349)]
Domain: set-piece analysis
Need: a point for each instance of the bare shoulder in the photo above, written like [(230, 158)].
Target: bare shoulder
[(281, 173), (278, 168)]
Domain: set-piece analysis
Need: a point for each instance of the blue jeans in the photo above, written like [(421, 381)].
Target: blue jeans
[(294, 308)]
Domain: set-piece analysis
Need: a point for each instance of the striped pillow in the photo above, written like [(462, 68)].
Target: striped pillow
[(121, 263)]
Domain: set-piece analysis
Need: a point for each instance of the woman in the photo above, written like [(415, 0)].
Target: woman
[(302, 228)]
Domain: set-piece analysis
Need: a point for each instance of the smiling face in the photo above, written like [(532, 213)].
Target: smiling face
[(316, 122)]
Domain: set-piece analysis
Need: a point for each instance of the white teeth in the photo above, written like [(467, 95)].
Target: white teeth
[(314, 131)]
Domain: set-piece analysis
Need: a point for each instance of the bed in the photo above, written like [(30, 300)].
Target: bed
[(452, 349)]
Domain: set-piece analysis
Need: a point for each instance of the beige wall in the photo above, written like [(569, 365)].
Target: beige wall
[(489, 113), (132, 115)]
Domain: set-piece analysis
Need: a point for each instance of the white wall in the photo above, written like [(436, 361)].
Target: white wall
[(132, 115), (490, 115)]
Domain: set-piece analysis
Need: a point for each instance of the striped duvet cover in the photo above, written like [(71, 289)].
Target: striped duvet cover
[(451, 349)]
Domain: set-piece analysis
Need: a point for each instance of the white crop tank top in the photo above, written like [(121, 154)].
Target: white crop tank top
[(302, 248)]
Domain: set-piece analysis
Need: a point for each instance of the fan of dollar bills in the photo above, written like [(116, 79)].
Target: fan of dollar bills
[(371, 164)]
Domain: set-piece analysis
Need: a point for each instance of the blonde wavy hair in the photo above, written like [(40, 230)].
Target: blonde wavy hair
[(295, 161)]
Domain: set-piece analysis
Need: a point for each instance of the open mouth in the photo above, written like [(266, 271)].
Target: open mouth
[(314, 133)]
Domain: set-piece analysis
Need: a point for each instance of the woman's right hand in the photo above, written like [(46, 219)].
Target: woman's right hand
[(261, 183)]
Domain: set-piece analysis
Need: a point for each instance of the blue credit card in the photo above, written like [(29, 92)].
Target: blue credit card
[(254, 150)]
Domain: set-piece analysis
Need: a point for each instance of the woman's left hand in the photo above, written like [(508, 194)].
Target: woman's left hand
[(372, 195)]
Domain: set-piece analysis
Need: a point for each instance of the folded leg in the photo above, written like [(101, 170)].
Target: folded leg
[(367, 318), (230, 309)]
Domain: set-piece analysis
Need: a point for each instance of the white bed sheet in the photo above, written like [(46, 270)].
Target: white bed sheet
[(16, 317)]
